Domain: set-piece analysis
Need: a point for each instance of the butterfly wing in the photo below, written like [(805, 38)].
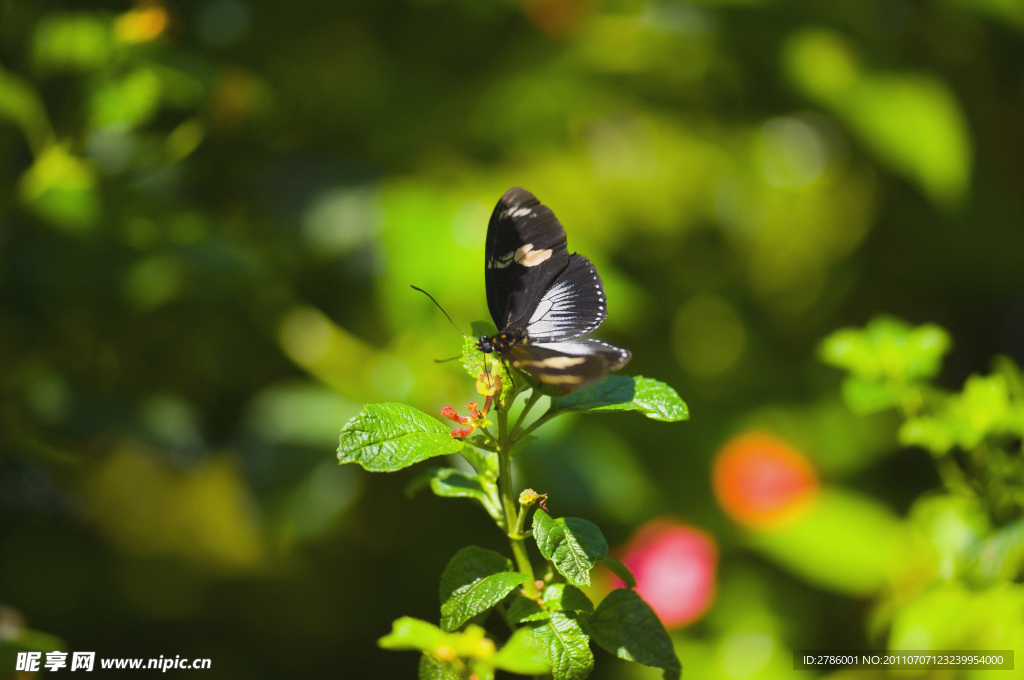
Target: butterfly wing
[(570, 365), (525, 252), (572, 306)]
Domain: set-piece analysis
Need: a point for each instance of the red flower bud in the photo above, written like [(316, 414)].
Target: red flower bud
[(451, 414)]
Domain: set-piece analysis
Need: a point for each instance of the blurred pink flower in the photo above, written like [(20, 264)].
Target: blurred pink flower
[(674, 565)]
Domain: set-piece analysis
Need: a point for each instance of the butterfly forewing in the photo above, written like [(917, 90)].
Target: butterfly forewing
[(574, 305), (525, 252)]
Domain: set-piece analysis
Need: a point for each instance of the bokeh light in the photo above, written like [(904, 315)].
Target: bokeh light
[(675, 566), (760, 480)]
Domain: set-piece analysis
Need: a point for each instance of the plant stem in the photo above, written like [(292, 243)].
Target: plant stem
[(508, 502), (540, 421), (535, 395)]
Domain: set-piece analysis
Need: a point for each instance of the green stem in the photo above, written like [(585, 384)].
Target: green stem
[(490, 438), (483, 445), (508, 502), (535, 396), (540, 421), (524, 510)]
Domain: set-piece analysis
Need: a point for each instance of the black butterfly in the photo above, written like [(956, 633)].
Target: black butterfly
[(541, 298)]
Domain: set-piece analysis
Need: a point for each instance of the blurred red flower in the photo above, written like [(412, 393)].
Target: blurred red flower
[(674, 565), (761, 481)]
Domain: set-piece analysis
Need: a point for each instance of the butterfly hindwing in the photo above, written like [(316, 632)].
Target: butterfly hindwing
[(525, 252), (567, 366), (572, 306)]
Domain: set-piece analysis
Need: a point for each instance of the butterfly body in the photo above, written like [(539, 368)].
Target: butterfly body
[(542, 298), (502, 341)]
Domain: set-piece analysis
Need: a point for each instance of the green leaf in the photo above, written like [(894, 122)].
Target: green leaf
[(912, 122), (72, 42), (453, 483), (432, 668), (864, 396), (620, 570), (131, 100), (888, 349), (476, 362), (653, 398), (1011, 372), (564, 597), (478, 597), (60, 187), (999, 557), (954, 525), (574, 545), (410, 633), (21, 104), (983, 409), (474, 581), (522, 654), (483, 461), (388, 437), (566, 646), (627, 627), (523, 609)]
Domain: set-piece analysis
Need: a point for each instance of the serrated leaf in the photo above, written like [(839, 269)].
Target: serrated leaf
[(566, 646), (627, 627), (478, 597), (432, 668), (620, 570), (523, 609), (564, 597), (521, 654), (470, 564), (474, 581), (572, 544), (410, 633), (388, 437), (653, 398), (476, 362)]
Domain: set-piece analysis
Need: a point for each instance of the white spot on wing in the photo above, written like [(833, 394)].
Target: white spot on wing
[(535, 258), (555, 362), (526, 256)]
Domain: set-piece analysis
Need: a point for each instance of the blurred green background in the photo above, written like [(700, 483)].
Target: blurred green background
[(211, 211)]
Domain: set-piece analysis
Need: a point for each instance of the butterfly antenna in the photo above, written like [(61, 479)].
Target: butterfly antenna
[(441, 361), (442, 311)]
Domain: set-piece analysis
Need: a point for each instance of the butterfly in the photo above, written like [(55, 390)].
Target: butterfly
[(542, 298)]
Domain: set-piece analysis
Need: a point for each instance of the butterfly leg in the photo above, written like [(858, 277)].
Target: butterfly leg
[(508, 372)]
